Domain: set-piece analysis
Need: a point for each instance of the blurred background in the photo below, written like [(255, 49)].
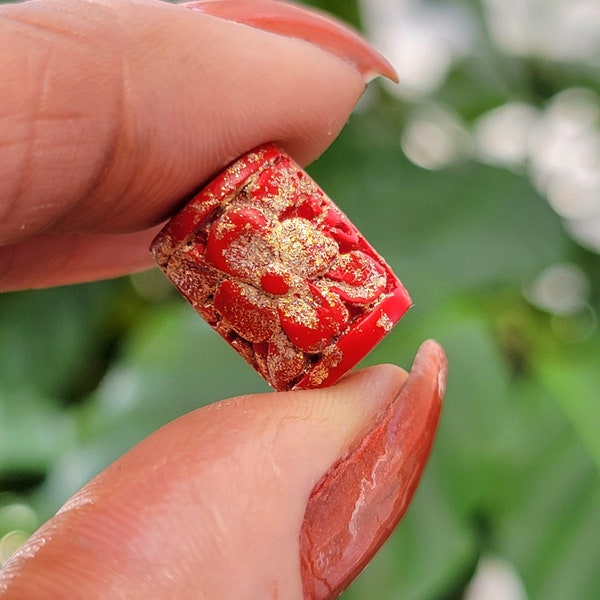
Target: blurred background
[(478, 178)]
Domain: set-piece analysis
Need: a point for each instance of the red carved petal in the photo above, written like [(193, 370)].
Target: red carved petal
[(275, 282), (274, 189), (237, 242), (187, 221), (341, 229), (310, 319), (310, 207), (359, 279), (363, 335), (247, 310)]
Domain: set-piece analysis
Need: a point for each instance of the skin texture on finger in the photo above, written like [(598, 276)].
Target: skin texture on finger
[(210, 506), (50, 259), (114, 112), (291, 20)]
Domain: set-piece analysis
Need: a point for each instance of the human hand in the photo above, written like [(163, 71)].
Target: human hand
[(284, 495), (114, 111), (123, 110)]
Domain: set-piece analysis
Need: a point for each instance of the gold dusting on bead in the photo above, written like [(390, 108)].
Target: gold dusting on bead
[(235, 170), (285, 183), (385, 322), (243, 196), (297, 308), (256, 297), (251, 254), (300, 245), (255, 195), (318, 375), (285, 363), (374, 280), (254, 320), (252, 157), (197, 281), (307, 186), (368, 290), (332, 357), (222, 227)]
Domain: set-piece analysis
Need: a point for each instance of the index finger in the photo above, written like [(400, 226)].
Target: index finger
[(114, 111)]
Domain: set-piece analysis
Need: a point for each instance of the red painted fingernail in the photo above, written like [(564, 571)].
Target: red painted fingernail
[(361, 499), (311, 25), (269, 261)]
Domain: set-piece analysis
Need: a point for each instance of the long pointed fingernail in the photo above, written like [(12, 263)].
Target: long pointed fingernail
[(360, 500), (308, 24)]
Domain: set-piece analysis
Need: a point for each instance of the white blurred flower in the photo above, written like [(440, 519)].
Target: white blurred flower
[(502, 135), (565, 162), (495, 579), (565, 30), (435, 138), (559, 146), (559, 289), (421, 39)]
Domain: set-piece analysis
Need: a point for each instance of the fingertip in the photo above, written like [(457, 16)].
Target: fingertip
[(360, 394), (356, 505)]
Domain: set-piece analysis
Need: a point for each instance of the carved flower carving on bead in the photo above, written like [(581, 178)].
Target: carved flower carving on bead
[(289, 274), (274, 267)]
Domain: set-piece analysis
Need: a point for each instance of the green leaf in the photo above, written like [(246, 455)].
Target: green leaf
[(550, 532), (33, 434), (574, 381), (53, 340)]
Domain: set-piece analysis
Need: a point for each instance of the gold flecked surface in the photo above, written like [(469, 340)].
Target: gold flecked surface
[(268, 221)]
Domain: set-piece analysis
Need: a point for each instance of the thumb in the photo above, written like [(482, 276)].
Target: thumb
[(214, 505)]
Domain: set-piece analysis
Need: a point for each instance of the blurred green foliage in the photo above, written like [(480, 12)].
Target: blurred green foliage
[(87, 371)]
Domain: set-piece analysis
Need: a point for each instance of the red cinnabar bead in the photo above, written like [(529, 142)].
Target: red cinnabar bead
[(279, 271)]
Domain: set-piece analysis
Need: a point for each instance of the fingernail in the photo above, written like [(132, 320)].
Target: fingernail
[(308, 24), (357, 504)]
